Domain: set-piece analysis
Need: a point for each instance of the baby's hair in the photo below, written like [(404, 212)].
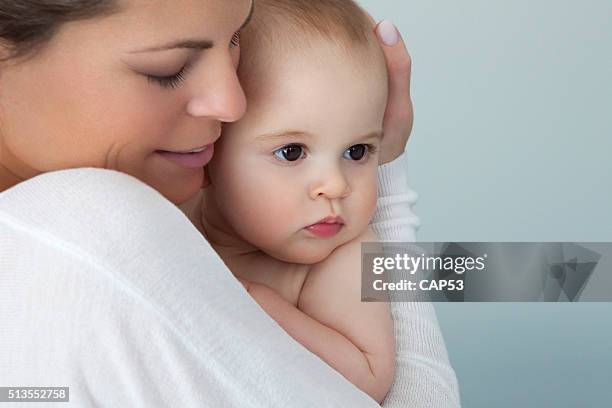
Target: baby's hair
[(294, 25), (341, 21)]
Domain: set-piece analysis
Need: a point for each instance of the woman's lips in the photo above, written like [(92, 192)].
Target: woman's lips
[(190, 160)]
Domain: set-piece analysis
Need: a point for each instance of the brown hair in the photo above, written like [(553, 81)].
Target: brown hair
[(26, 25), (342, 21), (293, 25)]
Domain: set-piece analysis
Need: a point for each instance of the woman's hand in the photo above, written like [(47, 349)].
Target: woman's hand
[(399, 115)]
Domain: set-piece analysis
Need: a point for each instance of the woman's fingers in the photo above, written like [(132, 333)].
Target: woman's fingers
[(399, 114)]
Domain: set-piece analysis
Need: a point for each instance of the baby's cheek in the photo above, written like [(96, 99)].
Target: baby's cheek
[(368, 199), (372, 205), (266, 217)]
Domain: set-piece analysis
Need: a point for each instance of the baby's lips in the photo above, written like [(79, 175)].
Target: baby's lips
[(332, 219), (325, 230)]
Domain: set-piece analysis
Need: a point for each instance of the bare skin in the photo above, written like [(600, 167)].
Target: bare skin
[(117, 127), (303, 298), (90, 98)]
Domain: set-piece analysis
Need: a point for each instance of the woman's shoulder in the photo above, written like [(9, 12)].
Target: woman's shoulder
[(79, 191), (110, 220), (97, 210)]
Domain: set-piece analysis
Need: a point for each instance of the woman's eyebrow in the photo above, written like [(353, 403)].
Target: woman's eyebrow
[(186, 44), (193, 44)]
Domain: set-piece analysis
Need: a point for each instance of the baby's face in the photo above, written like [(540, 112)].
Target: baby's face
[(306, 150)]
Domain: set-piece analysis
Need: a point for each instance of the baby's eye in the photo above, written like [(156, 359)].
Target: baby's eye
[(290, 153), (356, 152)]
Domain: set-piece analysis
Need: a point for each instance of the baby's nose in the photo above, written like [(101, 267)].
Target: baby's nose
[(331, 185)]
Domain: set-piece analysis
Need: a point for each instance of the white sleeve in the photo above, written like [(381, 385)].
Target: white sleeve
[(107, 288), (424, 376)]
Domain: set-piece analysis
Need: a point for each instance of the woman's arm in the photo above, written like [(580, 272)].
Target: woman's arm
[(107, 288), (423, 374), (424, 377)]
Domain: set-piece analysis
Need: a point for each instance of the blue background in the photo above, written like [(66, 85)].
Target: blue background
[(512, 142)]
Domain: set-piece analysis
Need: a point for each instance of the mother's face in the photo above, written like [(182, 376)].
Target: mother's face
[(100, 94)]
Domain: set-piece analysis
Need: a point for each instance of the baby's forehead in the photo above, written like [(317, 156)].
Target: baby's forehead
[(278, 68), (318, 83)]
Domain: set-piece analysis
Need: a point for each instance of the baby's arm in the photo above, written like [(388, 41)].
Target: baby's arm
[(353, 337)]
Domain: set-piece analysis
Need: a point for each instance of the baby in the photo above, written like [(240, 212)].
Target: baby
[(294, 183)]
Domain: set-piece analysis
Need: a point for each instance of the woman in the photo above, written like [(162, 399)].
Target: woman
[(105, 286)]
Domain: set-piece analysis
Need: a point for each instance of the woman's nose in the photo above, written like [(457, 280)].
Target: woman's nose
[(218, 94), (331, 184)]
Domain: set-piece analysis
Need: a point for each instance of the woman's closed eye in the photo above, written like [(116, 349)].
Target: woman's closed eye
[(170, 81), (235, 41), (175, 80)]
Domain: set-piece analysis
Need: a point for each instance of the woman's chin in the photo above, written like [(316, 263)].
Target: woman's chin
[(180, 191)]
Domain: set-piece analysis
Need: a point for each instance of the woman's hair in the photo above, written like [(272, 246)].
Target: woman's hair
[(27, 25)]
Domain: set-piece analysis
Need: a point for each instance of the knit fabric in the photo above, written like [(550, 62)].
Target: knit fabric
[(107, 288), (424, 376)]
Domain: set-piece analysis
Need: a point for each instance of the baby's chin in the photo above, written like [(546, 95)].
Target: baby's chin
[(307, 254)]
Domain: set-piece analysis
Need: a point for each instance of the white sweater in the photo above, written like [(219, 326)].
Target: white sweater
[(107, 288)]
